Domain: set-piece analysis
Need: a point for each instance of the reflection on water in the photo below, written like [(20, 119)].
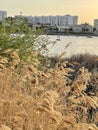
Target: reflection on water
[(73, 45)]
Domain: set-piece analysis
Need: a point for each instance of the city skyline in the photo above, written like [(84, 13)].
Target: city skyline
[(87, 10)]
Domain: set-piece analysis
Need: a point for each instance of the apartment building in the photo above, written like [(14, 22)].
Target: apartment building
[(66, 20), (96, 24), (3, 15)]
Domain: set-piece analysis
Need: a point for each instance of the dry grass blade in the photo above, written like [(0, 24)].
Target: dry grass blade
[(68, 45)]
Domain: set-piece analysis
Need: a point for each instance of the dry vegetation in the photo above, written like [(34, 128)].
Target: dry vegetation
[(63, 98)]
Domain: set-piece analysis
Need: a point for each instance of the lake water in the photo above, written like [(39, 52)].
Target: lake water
[(72, 45)]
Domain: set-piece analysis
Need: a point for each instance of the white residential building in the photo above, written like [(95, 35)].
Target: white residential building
[(75, 20), (58, 20), (70, 20), (96, 24), (3, 15)]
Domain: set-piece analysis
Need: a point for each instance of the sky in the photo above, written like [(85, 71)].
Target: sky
[(87, 10)]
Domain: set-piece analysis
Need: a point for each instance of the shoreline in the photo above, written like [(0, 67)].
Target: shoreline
[(75, 34)]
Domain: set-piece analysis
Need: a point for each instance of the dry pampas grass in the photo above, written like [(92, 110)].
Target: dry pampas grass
[(4, 127), (31, 99)]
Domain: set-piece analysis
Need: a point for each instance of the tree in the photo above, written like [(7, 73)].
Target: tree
[(15, 34)]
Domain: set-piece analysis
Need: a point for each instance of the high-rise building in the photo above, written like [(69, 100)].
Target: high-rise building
[(63, 21), (3, 15), (66, 20), (96, 24)]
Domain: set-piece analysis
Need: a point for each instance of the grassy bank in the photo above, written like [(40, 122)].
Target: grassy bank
[(40, 93)]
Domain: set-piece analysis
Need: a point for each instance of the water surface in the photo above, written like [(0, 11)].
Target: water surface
[(73, 45)]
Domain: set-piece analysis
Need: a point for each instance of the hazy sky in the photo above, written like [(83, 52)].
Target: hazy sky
[(87, 10)]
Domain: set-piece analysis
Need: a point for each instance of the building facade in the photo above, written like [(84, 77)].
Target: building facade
[(3, 15), (96, 24), (66, 20)]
